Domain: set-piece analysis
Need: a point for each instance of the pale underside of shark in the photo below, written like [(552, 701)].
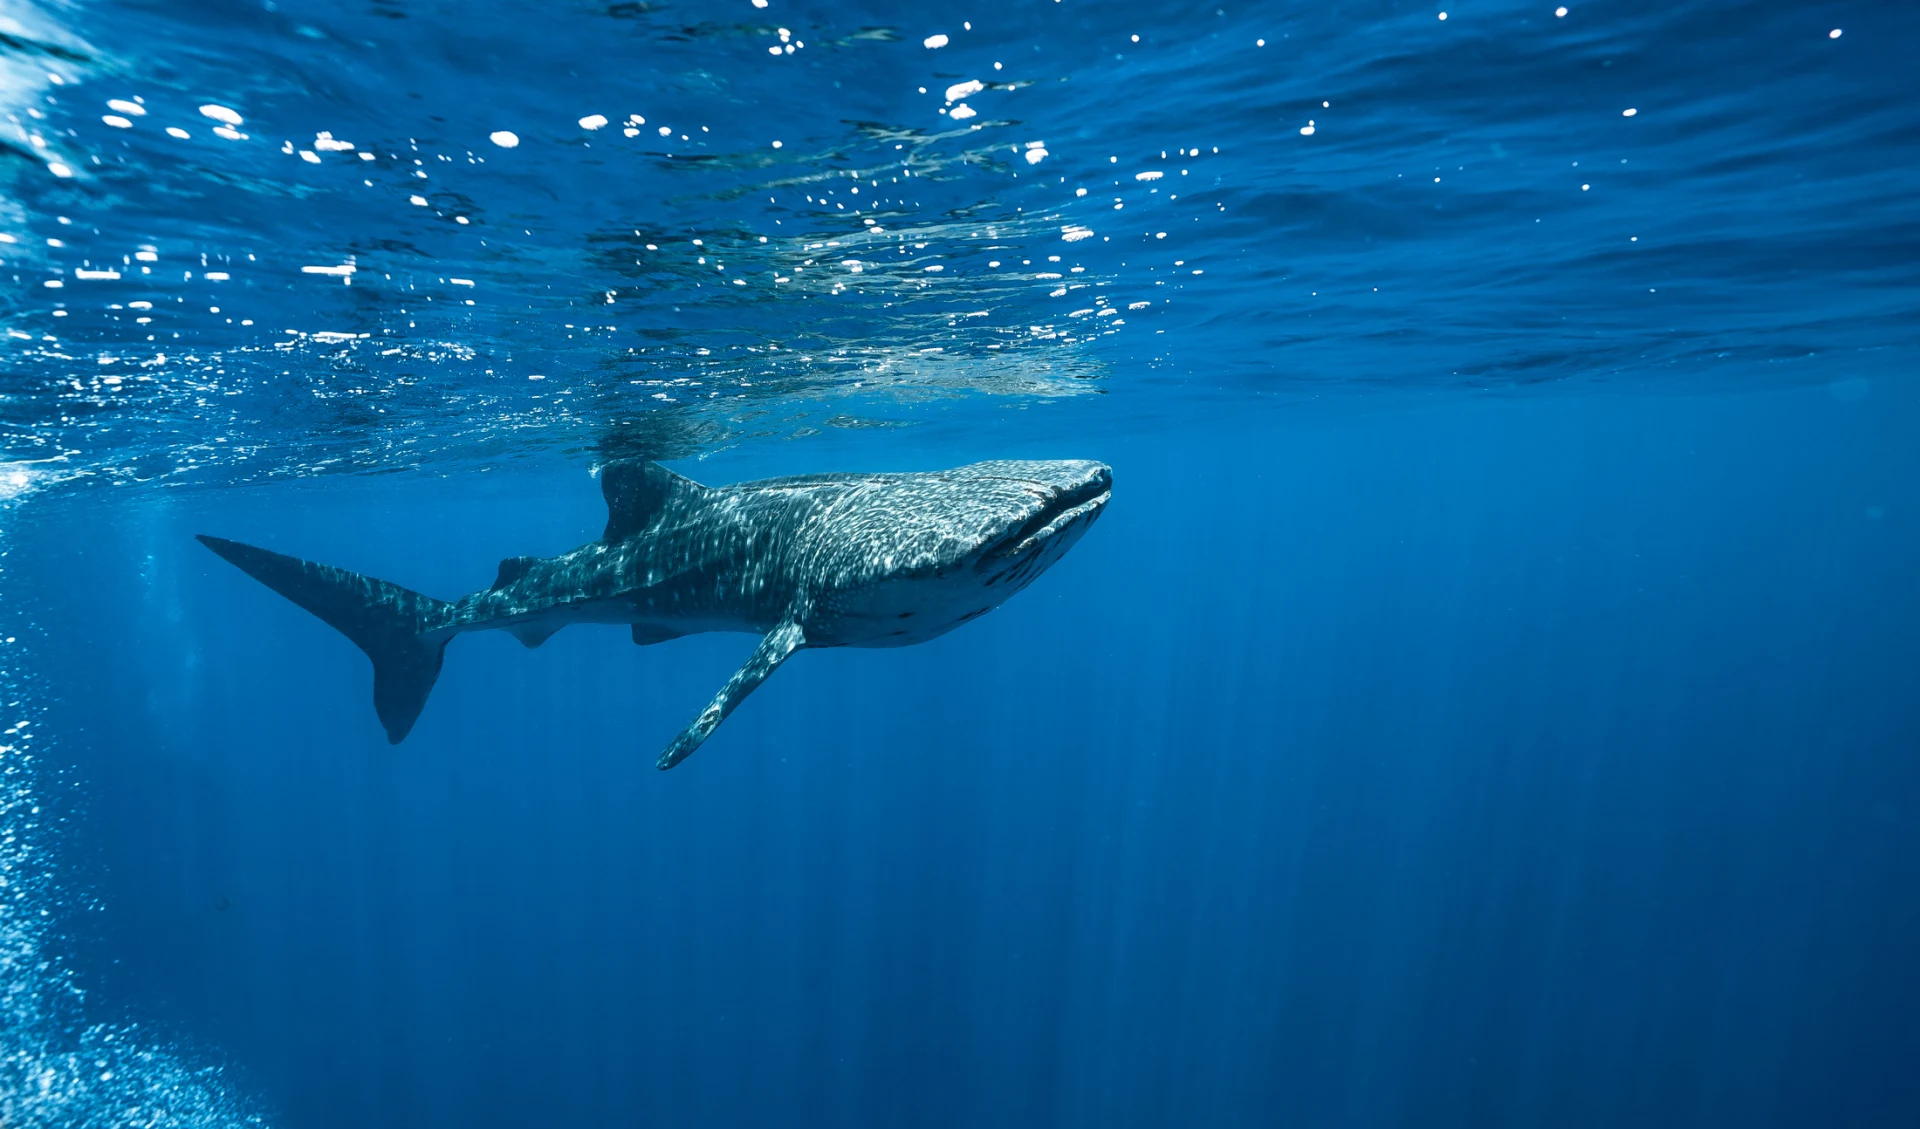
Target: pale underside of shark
[(833, 560)]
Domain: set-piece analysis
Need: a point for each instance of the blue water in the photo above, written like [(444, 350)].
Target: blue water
[(1489, 699)]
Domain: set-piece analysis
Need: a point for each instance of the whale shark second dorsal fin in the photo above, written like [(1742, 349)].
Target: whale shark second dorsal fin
[(637, 492), (512, 569)]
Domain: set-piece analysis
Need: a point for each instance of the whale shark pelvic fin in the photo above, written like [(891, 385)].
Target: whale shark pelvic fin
[(388, 622), (773, 650), (531, 635), (637, 492)]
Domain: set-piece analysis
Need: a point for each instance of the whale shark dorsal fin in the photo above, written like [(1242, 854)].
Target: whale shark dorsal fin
[(778, 645), (636, 493)]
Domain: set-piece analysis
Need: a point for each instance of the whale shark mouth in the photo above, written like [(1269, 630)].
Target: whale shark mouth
[(1060, 513), (1059, 520)]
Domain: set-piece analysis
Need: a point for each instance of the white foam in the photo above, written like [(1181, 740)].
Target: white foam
[(505, 138), (53, 1070), (15, 480), (221, 114)]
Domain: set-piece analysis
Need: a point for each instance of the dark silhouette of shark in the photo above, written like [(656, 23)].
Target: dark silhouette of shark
[(831, 560)]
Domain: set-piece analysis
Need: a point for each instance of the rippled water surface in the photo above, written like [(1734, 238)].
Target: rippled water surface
[(266, 239), (1284, 257)]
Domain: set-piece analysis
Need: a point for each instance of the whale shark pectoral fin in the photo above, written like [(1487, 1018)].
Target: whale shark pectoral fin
[(773, 650)]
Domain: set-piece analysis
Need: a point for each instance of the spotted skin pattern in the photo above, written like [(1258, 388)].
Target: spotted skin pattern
[(837, 560)]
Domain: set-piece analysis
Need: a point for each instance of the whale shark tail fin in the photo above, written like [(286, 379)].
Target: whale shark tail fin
[(393, 625)]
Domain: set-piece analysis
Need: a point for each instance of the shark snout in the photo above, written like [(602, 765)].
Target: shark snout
[(1072, 493), (1070, 475), (1080, 486)]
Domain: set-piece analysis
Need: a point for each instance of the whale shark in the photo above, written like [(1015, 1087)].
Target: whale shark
[(828, 560)]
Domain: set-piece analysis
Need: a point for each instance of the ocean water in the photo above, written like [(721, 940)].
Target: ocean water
[(1491, 697)]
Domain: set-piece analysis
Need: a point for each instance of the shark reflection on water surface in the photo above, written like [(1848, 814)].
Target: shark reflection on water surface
[(830, 560)]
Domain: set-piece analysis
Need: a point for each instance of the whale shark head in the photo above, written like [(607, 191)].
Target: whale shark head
[(1040, 510), (920, 554)]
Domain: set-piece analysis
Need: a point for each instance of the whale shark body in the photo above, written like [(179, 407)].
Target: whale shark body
[(833, 560)]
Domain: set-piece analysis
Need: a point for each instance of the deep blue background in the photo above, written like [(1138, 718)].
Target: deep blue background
[(1471, 761), (1489, 700)]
